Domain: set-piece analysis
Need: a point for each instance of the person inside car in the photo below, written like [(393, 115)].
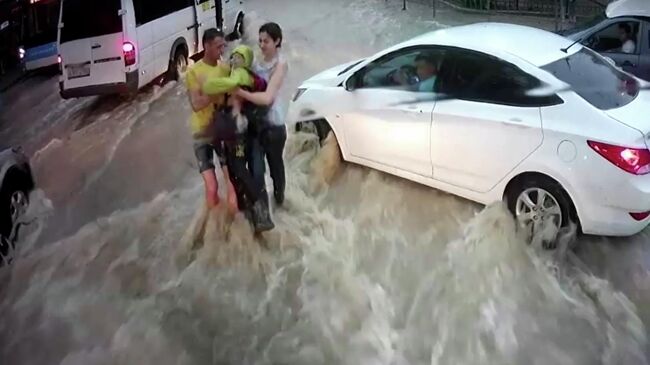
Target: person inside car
[(427, 72), (627, 38), (421, 77)]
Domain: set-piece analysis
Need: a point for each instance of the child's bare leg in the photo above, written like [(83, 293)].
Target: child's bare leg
[(236, 105), (232, 194)]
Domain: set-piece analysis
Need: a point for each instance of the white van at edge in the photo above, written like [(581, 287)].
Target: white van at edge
[(119, 46)]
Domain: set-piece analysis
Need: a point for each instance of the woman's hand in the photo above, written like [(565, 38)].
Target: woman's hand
[(239, 92)]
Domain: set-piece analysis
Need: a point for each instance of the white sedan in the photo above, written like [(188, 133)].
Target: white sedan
[(493, 112)]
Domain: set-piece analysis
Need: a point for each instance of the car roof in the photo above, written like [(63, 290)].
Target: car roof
[(533, 45), (628, 8)]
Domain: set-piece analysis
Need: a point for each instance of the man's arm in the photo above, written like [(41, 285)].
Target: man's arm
[(198, 100), (267, 97)]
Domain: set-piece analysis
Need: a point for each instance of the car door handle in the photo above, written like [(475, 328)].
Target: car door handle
[(516, 120), (96, 45), (412, 109), (194, 26), (628, 64)]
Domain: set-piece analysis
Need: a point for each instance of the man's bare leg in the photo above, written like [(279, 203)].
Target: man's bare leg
[(211, 188)]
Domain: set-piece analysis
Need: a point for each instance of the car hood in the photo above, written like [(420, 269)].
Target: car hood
[(634, 115), (332, 76)]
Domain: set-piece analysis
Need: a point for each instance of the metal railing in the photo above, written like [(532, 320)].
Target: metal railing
[(570, 8)]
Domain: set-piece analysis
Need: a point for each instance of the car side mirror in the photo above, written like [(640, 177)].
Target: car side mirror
[(351, 83)]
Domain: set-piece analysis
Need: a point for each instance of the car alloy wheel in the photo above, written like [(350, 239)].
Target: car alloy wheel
[(18, 204), (535, 208)]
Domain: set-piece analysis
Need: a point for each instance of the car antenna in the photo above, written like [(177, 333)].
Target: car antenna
[(565, 50)]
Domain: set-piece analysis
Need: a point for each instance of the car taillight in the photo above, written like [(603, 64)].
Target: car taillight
[(633, 160), (640, 216), (59, 60), (129, 53)]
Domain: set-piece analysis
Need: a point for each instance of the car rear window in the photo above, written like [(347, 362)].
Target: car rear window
[(595, 80), (90, 18)]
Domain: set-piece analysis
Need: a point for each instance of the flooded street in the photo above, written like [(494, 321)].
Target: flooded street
[(370, 269)]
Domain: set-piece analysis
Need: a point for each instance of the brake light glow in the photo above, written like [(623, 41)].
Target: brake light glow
[(633, 160), (129, 53), (640, 216)]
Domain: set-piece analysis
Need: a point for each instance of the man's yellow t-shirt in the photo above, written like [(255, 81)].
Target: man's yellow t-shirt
[(200, 120)]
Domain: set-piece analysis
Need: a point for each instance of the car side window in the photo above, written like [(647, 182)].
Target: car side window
[(619, 37), (413, 69), (150, 10), (474, 76)]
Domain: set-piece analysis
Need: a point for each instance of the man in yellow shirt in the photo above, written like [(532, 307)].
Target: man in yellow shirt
[(203, 108)]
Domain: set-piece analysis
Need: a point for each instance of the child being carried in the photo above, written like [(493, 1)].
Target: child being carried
[(230, 131)]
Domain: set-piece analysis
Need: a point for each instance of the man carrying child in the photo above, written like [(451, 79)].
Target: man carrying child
[(219, 126)]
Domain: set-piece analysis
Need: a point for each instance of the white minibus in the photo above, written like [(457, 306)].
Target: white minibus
[(118, 46)]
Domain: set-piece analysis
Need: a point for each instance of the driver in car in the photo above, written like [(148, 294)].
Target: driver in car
[(425, 66), (626, 37), (420, 78)]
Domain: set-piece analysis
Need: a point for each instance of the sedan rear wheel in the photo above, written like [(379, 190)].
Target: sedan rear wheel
[(542, 208), (535, 208)]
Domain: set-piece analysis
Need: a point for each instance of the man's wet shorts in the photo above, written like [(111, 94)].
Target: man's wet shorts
[(204, 153)]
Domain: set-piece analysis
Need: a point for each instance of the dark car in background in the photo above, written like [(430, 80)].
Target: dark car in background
[(17, 182), (621, 33)]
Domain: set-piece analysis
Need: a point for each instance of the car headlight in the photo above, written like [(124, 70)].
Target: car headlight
[(298, 93), (21, 52)]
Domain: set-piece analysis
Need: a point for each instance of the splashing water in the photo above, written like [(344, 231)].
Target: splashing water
[(362, 268), (327, 286)]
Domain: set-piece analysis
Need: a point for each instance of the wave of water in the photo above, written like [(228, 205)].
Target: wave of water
[(362, 268), (328, 286)]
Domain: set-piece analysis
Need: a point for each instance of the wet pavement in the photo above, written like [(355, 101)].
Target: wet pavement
[(370, 270)]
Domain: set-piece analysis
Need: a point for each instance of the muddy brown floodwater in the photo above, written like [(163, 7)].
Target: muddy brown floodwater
[(362, 268)]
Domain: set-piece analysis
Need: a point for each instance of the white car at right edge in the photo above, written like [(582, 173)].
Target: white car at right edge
[(456, 109)]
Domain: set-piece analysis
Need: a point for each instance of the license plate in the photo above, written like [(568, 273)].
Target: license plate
[(77, 71)]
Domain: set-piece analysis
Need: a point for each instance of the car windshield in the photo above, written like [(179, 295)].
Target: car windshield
[(90, 18), (595, 80), (350, 67)]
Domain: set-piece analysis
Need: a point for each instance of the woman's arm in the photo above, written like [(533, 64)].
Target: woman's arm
[(267, 97)]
